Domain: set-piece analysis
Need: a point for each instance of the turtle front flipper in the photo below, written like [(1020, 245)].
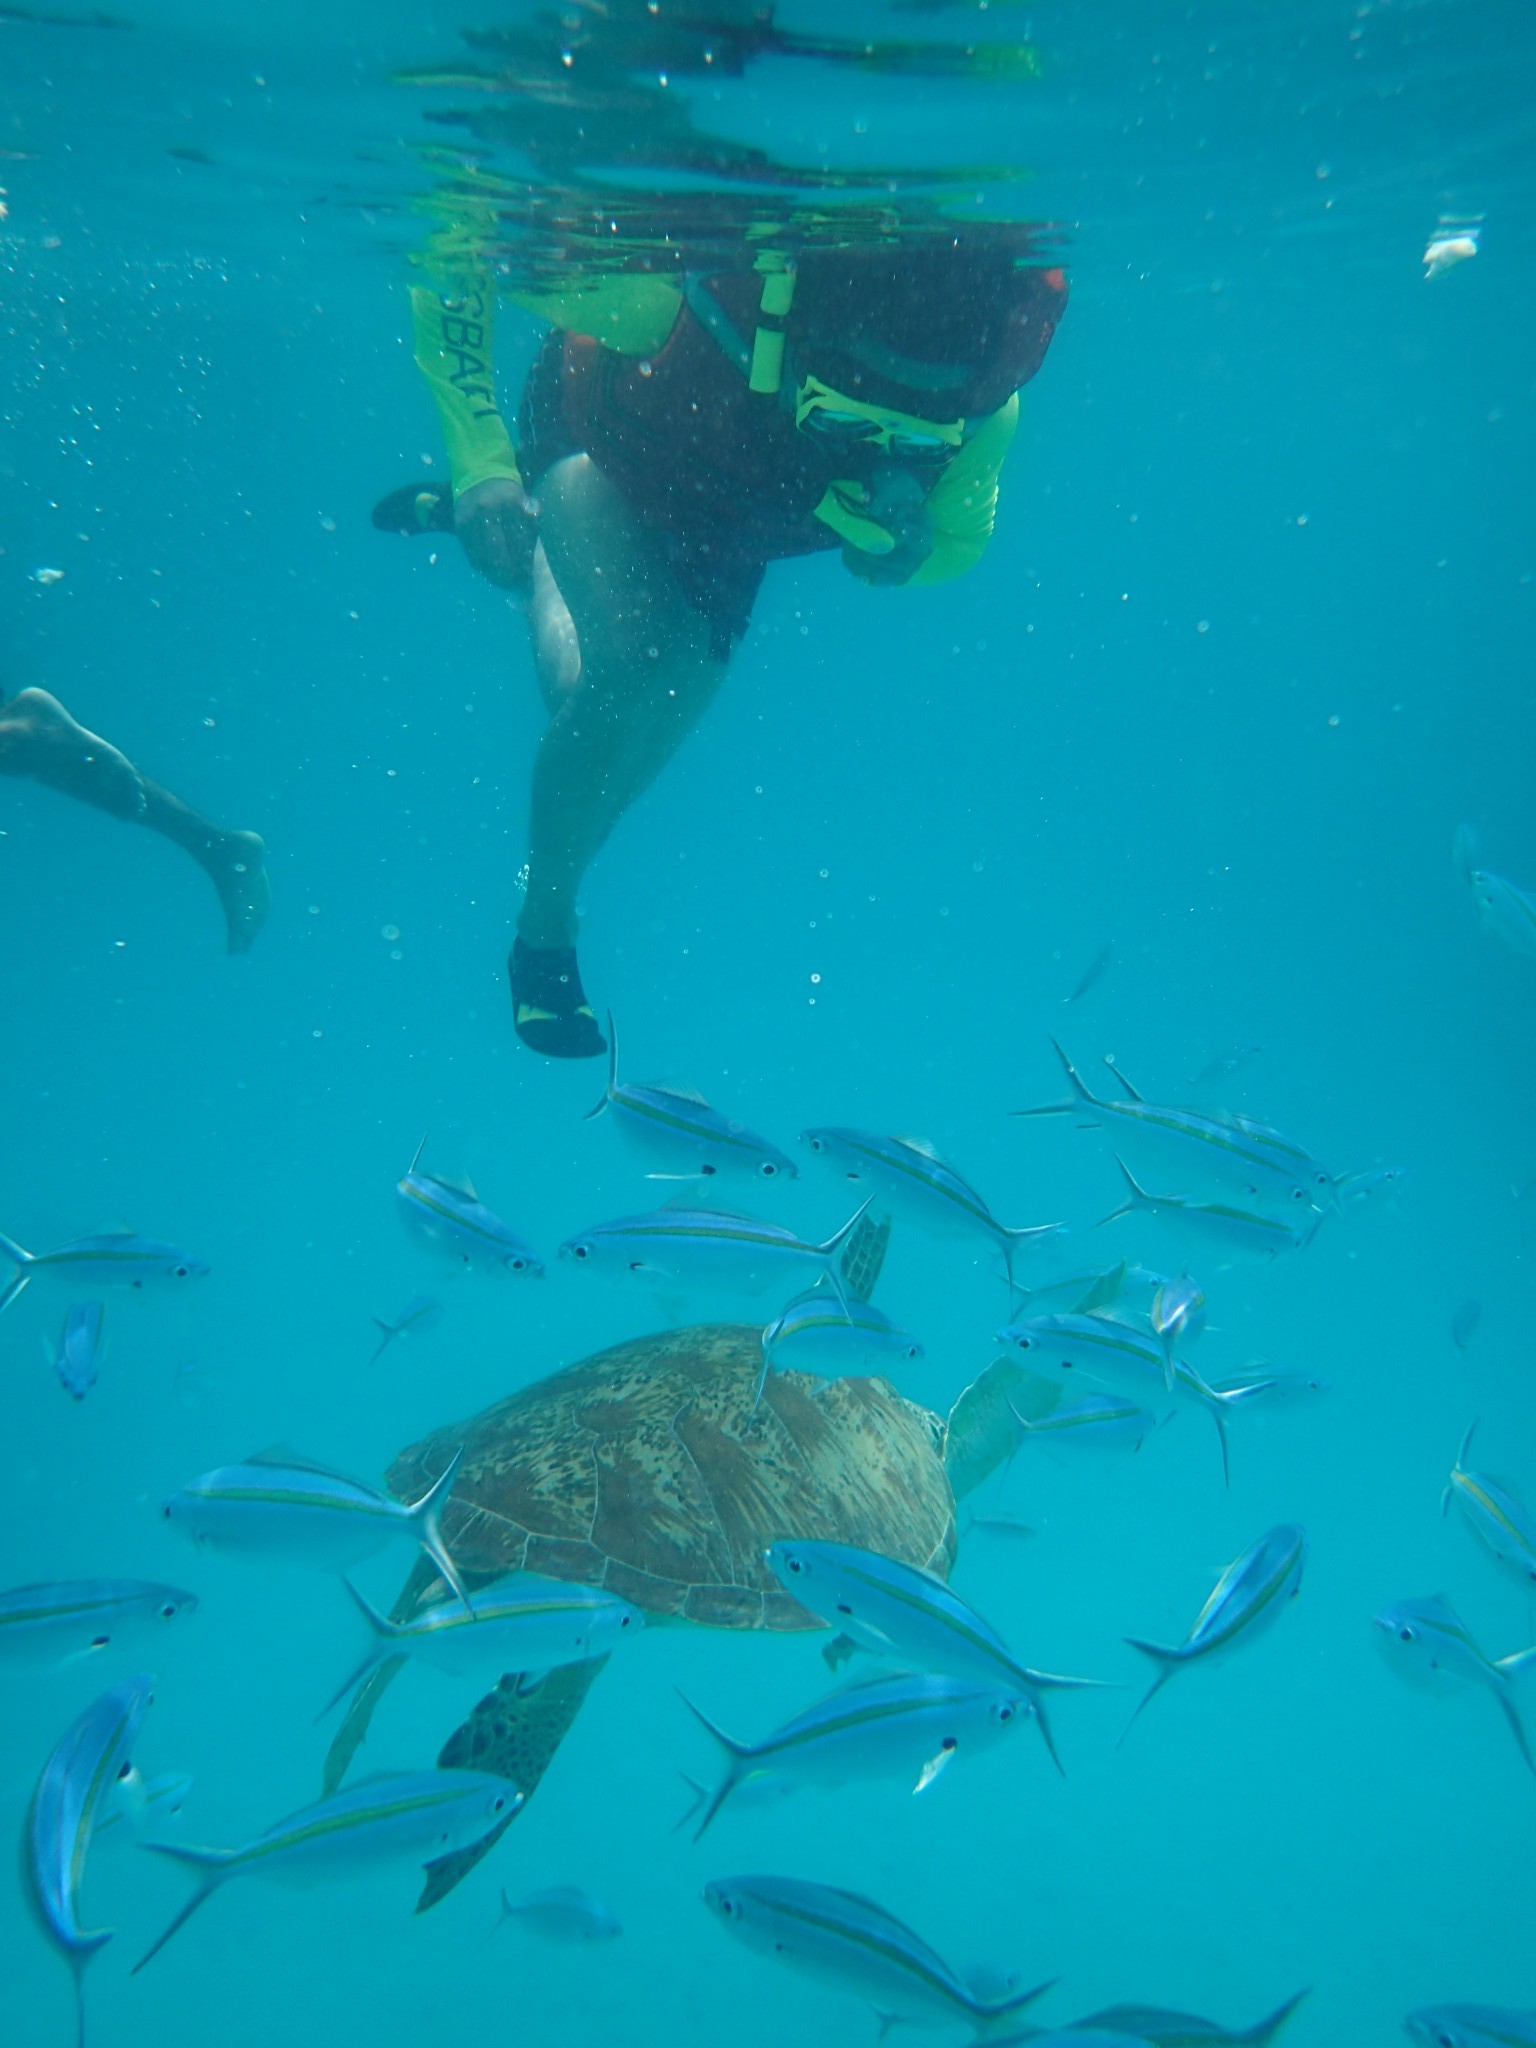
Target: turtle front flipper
[(863, 1256), (513, 1733), (983, 1430)]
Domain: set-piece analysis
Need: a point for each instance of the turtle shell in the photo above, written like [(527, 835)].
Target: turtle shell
[(645, 1470)]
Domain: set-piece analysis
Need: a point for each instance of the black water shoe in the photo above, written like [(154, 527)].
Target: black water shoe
[(549, 1005)]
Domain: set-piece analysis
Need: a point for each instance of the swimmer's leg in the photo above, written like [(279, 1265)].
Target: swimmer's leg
[(626, 680), (40, 740)]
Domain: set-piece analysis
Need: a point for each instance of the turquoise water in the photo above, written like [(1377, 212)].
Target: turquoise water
[(1252, 639)]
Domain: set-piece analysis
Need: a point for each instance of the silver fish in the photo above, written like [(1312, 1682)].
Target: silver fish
[(1163, 2029), (1098, 1422), (819, 1334), (139, 1805), (1118, 1356), (709, 1247), (47, 1625), (1250, 1594), (1371, 1187), (1428, 1644), (525, 1623), (1269, 1385), (451, 1218), (423, 1312), (280, 1505), (110, 1258), (563, 1912), (908, 1727), (1231, 1151), (679, 1131), (910, 1617), (69, 1803), (1505, 911), (415, 1815), (1223, 1226), (915, 1182), (1177, 1314), (1473, 2026), (855, 1946), (82, 1348), (1495, 1514)]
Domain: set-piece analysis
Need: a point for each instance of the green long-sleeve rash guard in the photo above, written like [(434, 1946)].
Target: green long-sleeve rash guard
[(455, 343)]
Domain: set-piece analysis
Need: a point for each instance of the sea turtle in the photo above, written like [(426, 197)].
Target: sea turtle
[(652, 1469)]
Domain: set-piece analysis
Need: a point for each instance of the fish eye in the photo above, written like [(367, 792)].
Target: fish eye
[(498, 1802), (1005, 1713), (624, 1620), (949, 1744), (101, 1642), (767, 1169), (844, 1608), (183, 1272), (1405, 1635), (818, 1144), (518, 1265), (124, 1772), (709, 1171), (913, 1351), (728, 1907), (793, 1565), (166, 1511), (169, 1611), (1024, 1343), (580, 1251)]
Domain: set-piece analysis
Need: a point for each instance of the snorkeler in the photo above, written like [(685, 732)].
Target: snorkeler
[(675, 437), (40, 740)]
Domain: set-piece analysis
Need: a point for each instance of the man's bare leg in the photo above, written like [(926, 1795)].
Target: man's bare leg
[(626, 670), (39, 740)]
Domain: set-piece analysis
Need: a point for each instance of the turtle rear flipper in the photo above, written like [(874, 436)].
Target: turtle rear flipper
[(513, 1733)]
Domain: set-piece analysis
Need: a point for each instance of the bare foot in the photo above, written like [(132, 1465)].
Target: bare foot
[(38, 738), (237, 868)]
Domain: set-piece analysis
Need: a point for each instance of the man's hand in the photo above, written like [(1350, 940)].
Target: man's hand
[(498, 531), (898, 502)]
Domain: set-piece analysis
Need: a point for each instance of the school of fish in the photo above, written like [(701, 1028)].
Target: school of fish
[(1104, 1357)]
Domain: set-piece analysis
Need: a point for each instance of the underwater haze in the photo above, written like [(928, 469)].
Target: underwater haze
[(1251, 645)]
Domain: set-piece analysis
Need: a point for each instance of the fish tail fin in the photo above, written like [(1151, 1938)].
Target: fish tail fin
[(1266, 2029), (389, 1336), (762, 1382), (1167, 1662), (23, 1261), (416, 1155), (1512, 1666), (1466, 1444), (1016, 1241), (607, 1095), (1079, 1086), (1215, 1404), (712, 1802), (11, 1250), (427, 1514), (1042, 1721), (995, 2011), (383, 1630), (1464, 852), (1137, 1203), (834, 1244), (213, 1864)]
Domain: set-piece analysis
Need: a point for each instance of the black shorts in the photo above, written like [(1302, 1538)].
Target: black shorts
[(716, 579)]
